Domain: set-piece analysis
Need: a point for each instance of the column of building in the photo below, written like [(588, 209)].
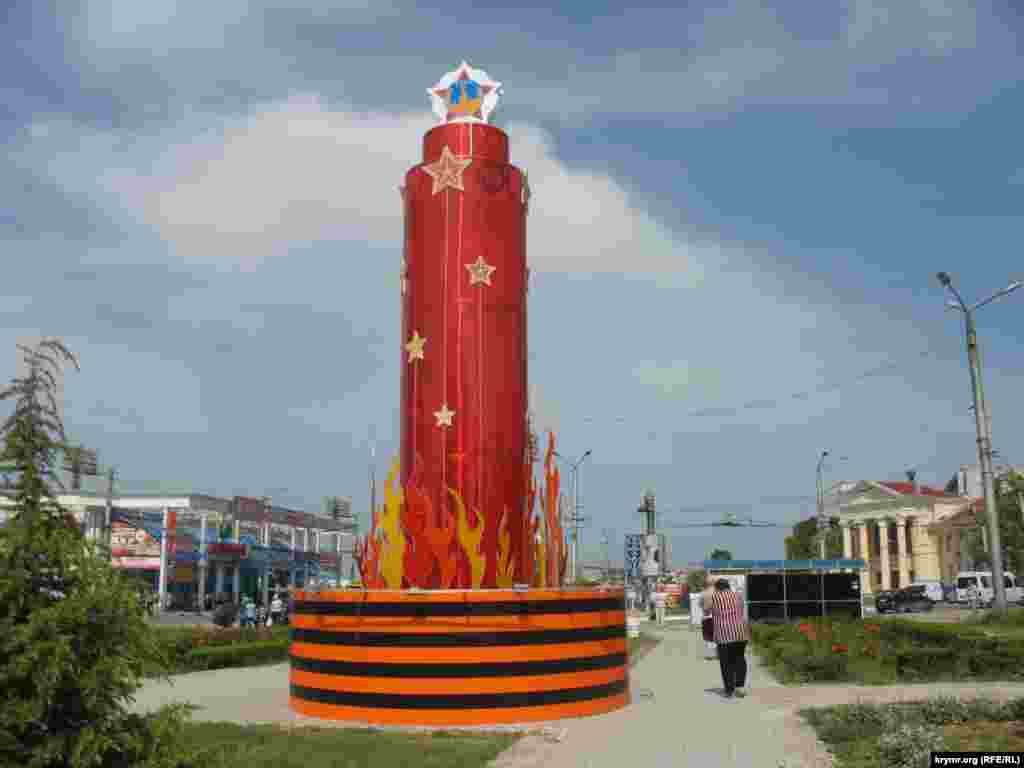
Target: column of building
[(883, 551), (201, 591), (902, 554), (865, 554), (267, 565)]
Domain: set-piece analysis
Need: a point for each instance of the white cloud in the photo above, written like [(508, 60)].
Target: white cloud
[(241, 190)]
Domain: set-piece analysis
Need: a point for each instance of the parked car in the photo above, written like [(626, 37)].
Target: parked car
[(949, 593), (932, 588), (907, 600), (982, 582)]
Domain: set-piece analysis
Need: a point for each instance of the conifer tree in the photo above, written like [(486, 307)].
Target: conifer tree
[(74, 642)]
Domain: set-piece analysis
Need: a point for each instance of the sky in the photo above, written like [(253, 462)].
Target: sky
[(201, 201)]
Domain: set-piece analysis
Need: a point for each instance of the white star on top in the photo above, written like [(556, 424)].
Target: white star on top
[(446, 172), (444, 416), (469, 107), (480, 271)]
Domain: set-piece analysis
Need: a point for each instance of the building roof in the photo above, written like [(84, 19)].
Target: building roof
[(922, 490)]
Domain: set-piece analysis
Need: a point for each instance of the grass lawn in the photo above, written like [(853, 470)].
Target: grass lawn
[(267, 746), (863, 736)]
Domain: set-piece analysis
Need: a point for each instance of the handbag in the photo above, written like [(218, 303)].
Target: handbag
[(707, 626)]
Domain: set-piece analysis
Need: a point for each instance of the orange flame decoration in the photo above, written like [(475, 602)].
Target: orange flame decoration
[(411, 544)]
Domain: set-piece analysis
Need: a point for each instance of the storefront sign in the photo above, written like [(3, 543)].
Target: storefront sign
[(172, 533), (250, 532), (252, 509), (131, 542), (222, 550), (137, 563)]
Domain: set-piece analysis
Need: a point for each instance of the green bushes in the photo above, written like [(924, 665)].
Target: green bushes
[(74, 640), (189, 649), (890, 650), (239, 655)]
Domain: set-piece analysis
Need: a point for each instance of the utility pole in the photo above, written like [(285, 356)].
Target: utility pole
[(822, 525), (576, 517), (984, 437), (606, 541), (108, 512)]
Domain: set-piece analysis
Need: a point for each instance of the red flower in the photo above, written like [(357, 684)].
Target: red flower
[(805, 627), (839, 648), (872, 627)]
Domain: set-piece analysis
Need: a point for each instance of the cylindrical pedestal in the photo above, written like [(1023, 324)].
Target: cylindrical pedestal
[(464, 292), (458, 657)]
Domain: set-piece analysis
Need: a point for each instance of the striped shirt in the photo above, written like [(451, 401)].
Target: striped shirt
[(727, 612)]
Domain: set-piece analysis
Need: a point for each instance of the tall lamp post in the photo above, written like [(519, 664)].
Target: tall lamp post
[(822, 525), (982, 429), (576, 519)]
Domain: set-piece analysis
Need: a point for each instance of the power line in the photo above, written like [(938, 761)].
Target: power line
[(765, 404), (832, 386)]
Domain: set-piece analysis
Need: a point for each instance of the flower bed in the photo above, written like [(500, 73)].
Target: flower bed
[(904, 735), (888, 651)]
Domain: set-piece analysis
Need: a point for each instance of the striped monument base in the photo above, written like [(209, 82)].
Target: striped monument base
[(458, 657)]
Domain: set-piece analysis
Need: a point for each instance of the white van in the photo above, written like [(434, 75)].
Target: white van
[(982, 581)]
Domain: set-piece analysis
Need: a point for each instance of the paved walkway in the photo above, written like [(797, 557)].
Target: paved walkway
[(678, 715)]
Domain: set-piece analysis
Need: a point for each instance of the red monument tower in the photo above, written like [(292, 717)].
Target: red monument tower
[(464, 400), (458, 525)]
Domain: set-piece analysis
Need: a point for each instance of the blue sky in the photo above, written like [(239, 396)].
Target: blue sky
[(733, 204)]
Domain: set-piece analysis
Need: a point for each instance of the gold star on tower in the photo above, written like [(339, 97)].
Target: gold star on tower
[(444, 416), (447, 172), (415, 346), (480, 271)]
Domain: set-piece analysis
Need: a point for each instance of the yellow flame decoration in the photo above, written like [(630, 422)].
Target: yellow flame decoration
[(541, 580), (505, 575), (470, 538), (390, 522)]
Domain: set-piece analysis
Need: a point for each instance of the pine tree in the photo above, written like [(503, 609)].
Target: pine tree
[(74, 643)]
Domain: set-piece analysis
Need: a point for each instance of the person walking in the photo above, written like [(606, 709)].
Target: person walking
[(731, 634), (707, 621), (250, 613), (660, 599), (276, 609)]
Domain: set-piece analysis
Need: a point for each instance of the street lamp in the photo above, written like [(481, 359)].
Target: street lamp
[(821, 503), (983, 428), (576, 519), (822, 522)]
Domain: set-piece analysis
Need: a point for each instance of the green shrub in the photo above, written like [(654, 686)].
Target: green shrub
[(1014, 618), (819, 667), (926, 663), (74, 640), (238, 655)]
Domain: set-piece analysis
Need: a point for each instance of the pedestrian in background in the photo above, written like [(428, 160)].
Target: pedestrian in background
[(660, 598), (731, 634)]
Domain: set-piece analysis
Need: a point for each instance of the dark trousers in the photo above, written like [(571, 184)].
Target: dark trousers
[(732, 659)]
